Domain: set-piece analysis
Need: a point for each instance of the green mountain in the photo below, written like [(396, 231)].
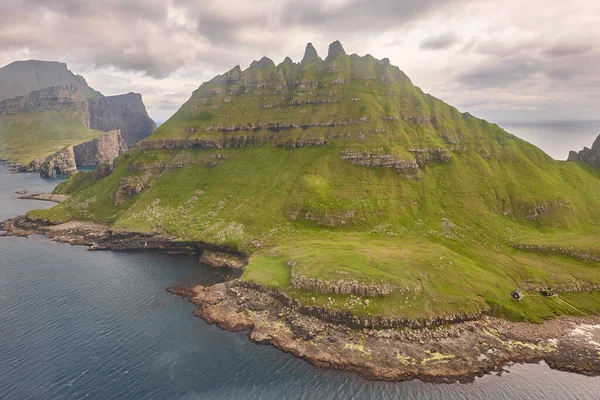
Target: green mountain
[(339, 177), (44, 107)]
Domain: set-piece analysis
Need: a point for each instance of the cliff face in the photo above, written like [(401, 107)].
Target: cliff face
[(124, 112), (590, 156), (102, 150), (60, 163), (56, 98)]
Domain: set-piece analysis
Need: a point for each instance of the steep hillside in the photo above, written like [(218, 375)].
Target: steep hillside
[(339, 177), (62, 110)]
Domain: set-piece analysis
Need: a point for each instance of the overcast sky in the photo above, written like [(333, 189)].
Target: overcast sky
[(498, 59)]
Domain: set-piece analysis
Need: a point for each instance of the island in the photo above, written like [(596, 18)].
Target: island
[(376, 228)]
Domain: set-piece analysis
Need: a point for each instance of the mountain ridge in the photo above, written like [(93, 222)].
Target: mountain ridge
[(339, 177)]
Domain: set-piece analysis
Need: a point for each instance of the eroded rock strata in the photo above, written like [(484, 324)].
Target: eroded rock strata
[(102, 150), (60, 163)]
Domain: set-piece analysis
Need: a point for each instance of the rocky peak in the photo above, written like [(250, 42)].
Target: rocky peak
[(264, 62), (596, 145), (335, 49), (310, 54), (232, 76), (587, 155)]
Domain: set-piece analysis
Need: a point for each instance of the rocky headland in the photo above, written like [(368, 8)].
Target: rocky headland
[(374, 228), (456, 348), (587, 155)]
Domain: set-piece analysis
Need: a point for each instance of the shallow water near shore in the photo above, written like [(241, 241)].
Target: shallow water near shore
[(78, 324)]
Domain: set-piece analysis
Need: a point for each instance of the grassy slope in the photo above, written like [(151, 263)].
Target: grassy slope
[(444, 239), (24, 137)]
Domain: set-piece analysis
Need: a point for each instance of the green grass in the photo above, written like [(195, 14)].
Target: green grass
[(443, 237), (24, 137)]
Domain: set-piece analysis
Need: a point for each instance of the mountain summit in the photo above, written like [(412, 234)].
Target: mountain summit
[(22, 77), (310, 54), (339, 178)]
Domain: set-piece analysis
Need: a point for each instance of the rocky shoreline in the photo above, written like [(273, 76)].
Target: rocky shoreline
[(55, 198), (442, 352)]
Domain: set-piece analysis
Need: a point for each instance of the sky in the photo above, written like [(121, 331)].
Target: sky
[(497, 59)]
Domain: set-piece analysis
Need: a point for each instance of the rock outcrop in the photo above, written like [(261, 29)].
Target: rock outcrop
[(590, 156), (310, 54), (219, 259), (60, 163), (124, 112), (102, 150), (343, 286), (378, 158)]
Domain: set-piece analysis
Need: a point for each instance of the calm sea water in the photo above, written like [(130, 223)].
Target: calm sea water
[(99, 325), (556, 138)]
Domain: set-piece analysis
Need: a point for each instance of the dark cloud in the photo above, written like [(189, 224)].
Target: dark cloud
[(440, 42)]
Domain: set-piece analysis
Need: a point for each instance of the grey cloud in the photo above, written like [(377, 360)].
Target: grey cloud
[(362, 15), (568, 49), (440, 42), (136, 35), (501, 73)]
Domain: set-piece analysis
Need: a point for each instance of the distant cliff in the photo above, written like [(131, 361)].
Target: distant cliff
[(590, 156), (124, 112), (102, 150), (44, 107), (22, 77)]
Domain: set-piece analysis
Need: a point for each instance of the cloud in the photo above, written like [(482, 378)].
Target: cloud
[(566, 49), (439, 42), (527, 56)]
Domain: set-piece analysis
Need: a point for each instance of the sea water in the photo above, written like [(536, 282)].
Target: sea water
[(99, 325)]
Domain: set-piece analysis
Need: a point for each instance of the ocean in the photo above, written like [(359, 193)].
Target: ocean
[(99, 325), (556, 138)]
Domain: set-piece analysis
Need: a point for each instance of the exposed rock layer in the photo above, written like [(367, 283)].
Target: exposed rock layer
[(449, 353), (102, 150), (60, 163), (124, 112)]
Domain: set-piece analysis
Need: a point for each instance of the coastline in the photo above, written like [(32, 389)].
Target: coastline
[(444, 353)]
